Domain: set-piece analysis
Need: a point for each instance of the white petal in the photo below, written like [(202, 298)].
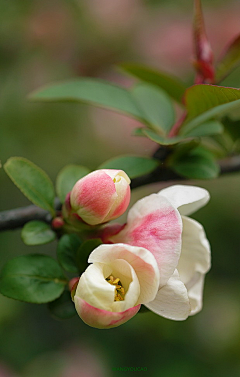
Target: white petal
[(94, 289), (172, 300), (195, 254), (142, 261), (195, 294), (194, 262), (187, 199), (153, 223)]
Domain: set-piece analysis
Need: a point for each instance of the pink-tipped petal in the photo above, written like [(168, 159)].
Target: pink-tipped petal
[(172, 300), (194, 262), (154, 224), (102, 319), (187, 199), (141, 260), (93, 196)]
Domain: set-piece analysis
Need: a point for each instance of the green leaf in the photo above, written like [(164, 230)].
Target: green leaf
[(32, 181), (67, 248), (83, 253), (229, 60), (91, 91), (232, 126), (210, 127), (156, 106), (172, 85), (37, 233), (67, 177), (204, 102), (62, 307), (32, 278), (157, 138), (134, 166), (197, 164)]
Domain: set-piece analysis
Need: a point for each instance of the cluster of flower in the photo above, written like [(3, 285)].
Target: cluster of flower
[(159, 258)]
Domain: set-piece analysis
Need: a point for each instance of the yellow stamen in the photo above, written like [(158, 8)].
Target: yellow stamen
[(119, 290)]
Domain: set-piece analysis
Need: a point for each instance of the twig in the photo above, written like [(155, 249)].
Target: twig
[(16, 218)]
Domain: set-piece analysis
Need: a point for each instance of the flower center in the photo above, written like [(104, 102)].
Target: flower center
[(119, 290)]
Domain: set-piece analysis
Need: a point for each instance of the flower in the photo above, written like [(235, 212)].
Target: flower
[(159, 259), (101, 196)]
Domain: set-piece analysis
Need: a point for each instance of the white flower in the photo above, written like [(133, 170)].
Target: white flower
[(159, 257)]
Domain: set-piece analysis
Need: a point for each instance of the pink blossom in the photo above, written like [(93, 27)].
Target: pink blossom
[(159, 259), (101, 196)]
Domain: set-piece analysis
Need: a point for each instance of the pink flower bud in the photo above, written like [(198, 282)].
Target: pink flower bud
[(101, 196)]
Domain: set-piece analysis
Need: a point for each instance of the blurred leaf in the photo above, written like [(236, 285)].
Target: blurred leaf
[(91, 91), (134, 166), (156, 106), (232, 126), (84, 251), (32, 181), (67, 252), (62, 307), (204, 102), (32, 278), (211, 127), (37, 233), (157, 138), (67, 177), (229, 60), (197, 164), (172, 85)]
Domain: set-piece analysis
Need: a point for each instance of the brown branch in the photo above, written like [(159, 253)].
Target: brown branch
[(16, 218)]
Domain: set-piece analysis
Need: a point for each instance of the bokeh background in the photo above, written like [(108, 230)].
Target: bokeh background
[(43, 42)]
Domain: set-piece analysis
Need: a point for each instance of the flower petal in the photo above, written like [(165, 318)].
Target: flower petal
[(141, 260), (195, 261), (102, 319), (153, 223), (172, 300), (93, 287), (92, 196), (187, 199)]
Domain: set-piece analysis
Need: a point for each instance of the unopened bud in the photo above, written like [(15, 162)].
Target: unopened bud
[(101, 196)]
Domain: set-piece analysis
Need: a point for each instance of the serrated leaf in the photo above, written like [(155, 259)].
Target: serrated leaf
[(229, 60), (204, 102), (32, 278), (37, 233), (156, 106), (32, 181), (134, 166), (91, 91), (62, 307), (84, 251), (67, 248), (197, 164), (172, 85), (67, 177)]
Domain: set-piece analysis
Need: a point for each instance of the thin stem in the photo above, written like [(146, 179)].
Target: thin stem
[(16, 218)]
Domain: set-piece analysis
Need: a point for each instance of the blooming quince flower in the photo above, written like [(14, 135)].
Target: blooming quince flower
[(101, 196), (159, 259)]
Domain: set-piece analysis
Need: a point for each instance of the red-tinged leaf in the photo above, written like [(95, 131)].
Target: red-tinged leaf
[(229, 60), (205, 102), (203, 62)]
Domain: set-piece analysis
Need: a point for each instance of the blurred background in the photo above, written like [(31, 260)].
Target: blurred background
[(43, 42)]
